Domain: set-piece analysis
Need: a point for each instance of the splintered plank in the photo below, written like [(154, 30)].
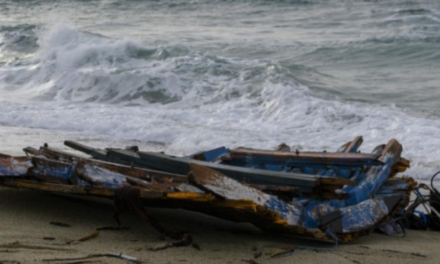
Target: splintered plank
[(95, 153), (362, 216), (308, 185), (79, 147), (400, 166), (368, 185), (209, 155), (51, 170), (372, 180), (178, 165), (379, 148), (101, 173), (352, 146), (63, 156), (303, 158), (14, 166), (140, 173), (230, 189), (73, 189), (223, 186), (43, 186), (98, 176)]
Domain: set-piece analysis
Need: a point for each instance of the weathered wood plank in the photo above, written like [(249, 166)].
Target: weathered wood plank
[(167, 178), (176, 165), (368, 185), (363, 216), (293, 159), (349, 147), (79, 147), (210, 155), (253, 176), (51, 170), (231, 189), (14, 166), (352, 146), (77, 190), (140, 173)]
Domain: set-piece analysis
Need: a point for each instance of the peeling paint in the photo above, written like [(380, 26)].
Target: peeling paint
[(10, 166), (270, 207)]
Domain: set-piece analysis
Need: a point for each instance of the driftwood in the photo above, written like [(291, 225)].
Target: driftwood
[(92, 256)]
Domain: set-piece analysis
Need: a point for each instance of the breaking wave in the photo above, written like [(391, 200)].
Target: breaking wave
[(82, 67)]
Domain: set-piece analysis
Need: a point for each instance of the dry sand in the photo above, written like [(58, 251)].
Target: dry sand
[(25, 231)]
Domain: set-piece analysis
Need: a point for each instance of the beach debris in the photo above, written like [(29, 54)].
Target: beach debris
[(411, 217), (91, 256), (19, 245), (60, 224), (90, 236), (185, 241), (321, 195), (113, 228), (127, 197), (84, 261), (418, 255)]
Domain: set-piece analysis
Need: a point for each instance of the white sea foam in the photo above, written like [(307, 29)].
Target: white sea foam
[(302, 121)]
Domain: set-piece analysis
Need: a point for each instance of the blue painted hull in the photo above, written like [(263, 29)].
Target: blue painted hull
[(373, 193)]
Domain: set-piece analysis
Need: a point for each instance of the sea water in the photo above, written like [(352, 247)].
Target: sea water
[(184, 76)]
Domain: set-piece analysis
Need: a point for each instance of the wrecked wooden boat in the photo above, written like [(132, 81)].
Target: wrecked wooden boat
[(306, 185), (346, 198)]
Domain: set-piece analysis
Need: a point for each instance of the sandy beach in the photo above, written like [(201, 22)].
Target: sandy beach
[(27, 236)]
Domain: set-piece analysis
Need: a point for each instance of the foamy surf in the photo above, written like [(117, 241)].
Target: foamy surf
[(182, 99)]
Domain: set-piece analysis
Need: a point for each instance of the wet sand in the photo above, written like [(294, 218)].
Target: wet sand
[(27, 236)]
